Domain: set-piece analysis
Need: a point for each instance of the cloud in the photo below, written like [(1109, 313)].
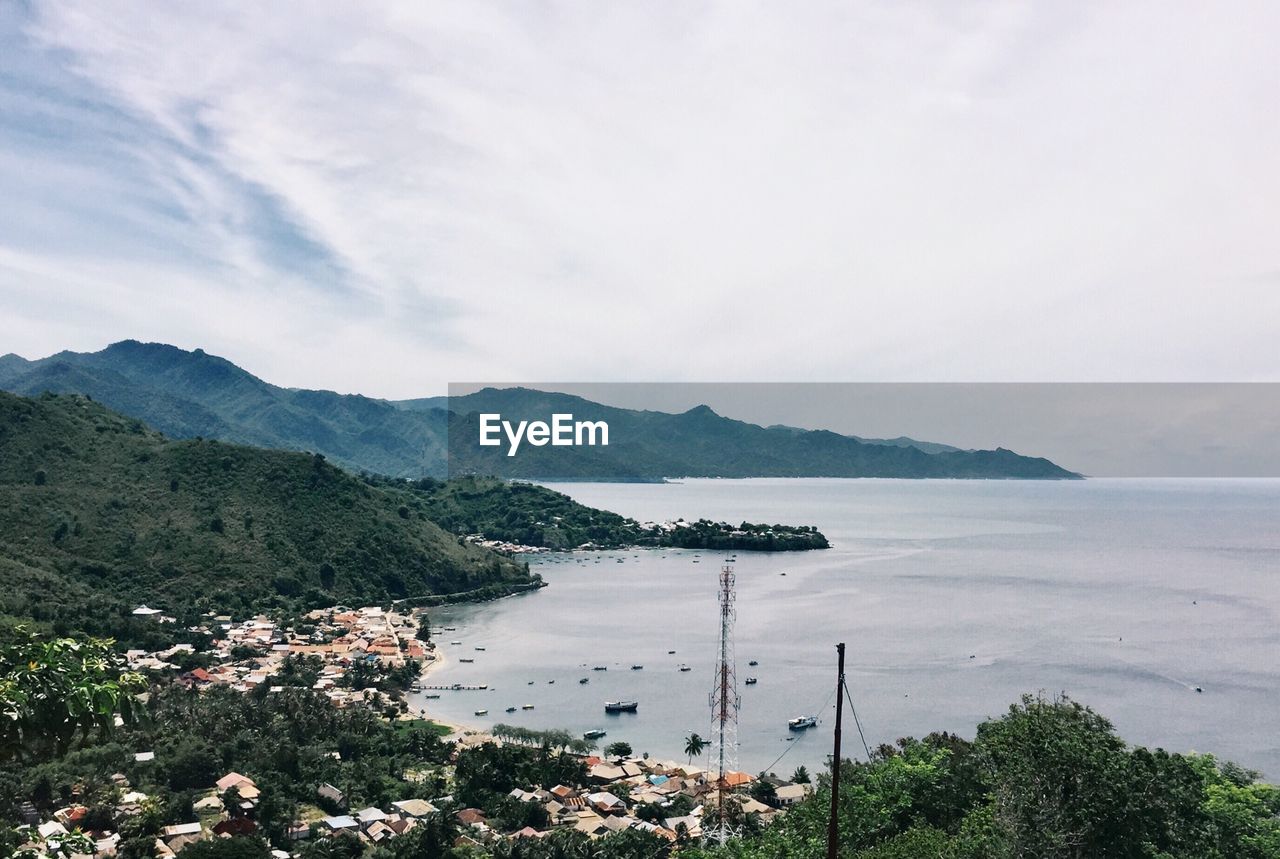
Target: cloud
[(385, 197)]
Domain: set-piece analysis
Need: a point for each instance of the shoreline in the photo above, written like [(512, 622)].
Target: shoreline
[(421, 709)]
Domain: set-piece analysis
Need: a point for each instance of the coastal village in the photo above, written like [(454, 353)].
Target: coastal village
[(665, 797)]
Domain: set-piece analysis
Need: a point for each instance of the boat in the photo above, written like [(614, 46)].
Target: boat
[(466, 660), (799, 723), (511, 709), (601, 668), (685, 668), (751, 681), (415, 687), (670, 652), (526, 706), (585, 680), (550, 682), (530, 683), (621, 706), (432, 695), (594, 734), (637, 667), (753, 662), (455, 642), (479, 648), (482, 712)]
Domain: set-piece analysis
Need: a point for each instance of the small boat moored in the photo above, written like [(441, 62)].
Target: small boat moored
[(585, 680), (637, 667), (753, 663), (482, 712), (511, 709), (594, 734), (751, 681), (621, 706), (799, 723), (526, 706)]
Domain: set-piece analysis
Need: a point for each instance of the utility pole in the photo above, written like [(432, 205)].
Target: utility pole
[(725, 703), (833, 830)]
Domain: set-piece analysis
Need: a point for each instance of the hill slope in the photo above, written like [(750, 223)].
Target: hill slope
[(99, 513), (189, 394)]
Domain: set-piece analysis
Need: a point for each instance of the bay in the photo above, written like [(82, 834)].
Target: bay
[(954, 598)]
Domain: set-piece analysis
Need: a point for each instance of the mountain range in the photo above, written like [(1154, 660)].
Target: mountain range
[(192, 394)]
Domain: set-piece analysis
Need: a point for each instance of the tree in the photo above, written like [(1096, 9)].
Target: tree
[(52, 689), (424, 628), (694, 746), (619, 749), (801, 775)]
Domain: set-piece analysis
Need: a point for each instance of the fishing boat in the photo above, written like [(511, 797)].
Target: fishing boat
[(511, 709), (685, 668), (466, 660), (585, 680), (479, 648), (526, 706), (751, 681), (455, 642), (621, 706), (482, 712), (753, 662), (594, 734), (601, 668), (637, 667), (432, 695), (670, 652), (799, 723)]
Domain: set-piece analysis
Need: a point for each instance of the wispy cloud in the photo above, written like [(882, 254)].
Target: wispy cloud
[(382, 197)]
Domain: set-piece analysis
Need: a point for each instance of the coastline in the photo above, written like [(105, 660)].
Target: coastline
[(421, 709)]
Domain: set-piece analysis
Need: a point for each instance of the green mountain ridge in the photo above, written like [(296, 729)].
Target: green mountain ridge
[(99, 513), (188, 394)]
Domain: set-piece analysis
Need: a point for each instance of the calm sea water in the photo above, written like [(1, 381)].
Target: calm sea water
[(954, 597)]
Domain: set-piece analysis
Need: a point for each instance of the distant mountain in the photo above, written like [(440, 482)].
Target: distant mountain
[(194, 394), (188, 394), (98, 514), (700, 443)]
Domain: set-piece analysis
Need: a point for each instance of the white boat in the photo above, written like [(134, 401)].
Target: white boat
[(482, 712), (799, 723)]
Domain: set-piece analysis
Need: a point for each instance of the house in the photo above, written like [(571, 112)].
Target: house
[(179, 830), (330, 793), (790, 794), (235, 826), (414, 807), (370, 815), (144, 757), (234, 779), (340, 823), (606, 803), (378, 831), (605, 773), (471, 817)]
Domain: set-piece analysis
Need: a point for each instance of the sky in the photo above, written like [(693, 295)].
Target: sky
[(386, 197)]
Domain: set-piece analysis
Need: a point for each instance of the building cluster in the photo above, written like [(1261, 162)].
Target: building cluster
[(248, 653)]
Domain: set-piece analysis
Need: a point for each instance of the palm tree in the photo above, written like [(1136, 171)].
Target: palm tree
[(801, 775), (694, 746)]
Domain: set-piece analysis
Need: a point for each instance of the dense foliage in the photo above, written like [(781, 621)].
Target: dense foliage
[(533, 515), (1049, 780), (53, 689), (99, 514)]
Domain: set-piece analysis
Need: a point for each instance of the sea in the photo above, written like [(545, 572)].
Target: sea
[(1155, 602)]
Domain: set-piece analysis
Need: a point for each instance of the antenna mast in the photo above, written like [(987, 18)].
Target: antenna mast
[(725, 703)]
